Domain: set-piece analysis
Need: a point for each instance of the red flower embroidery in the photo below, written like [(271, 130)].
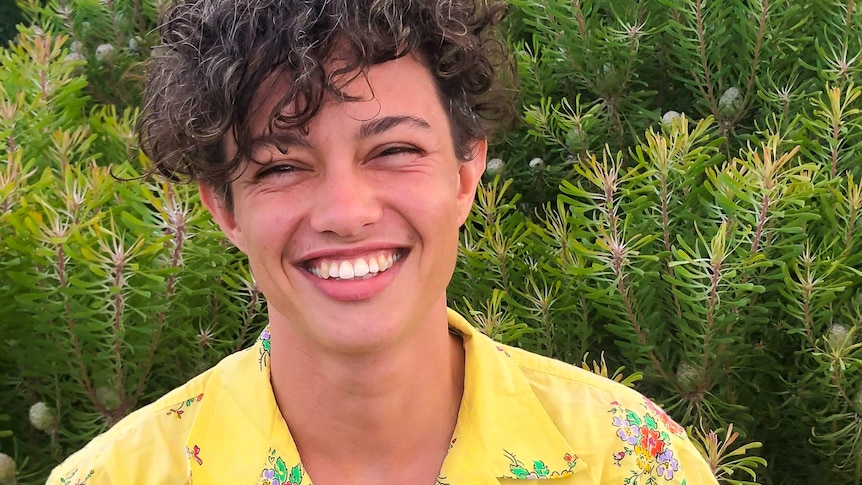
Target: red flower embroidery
[(651, 441)]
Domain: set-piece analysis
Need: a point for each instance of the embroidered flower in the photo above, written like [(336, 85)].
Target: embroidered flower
[(627, 432), (645, 461), (651, 441), (275, 471), (667, 464), (265, 347), (647, 447), (269, 477)]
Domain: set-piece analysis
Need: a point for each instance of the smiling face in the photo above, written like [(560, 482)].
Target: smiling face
[(352, 231)]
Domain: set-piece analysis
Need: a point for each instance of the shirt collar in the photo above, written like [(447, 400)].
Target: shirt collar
[(239, 413), (503, 429)]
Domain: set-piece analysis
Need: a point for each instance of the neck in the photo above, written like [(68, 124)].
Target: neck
[(370, 412)]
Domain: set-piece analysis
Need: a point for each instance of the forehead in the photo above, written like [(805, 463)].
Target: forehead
[(403, 86)]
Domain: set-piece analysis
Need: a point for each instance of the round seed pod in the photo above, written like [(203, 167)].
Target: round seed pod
[(8, 469), (42, 417)]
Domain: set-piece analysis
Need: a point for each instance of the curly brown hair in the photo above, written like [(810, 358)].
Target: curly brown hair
[(216, 54)]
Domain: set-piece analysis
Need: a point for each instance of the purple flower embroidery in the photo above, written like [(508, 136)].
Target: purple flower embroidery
[(667, 464), (269, 477), (627, 432)]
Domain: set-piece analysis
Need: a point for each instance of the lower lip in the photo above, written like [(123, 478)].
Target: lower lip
[(355, 289)]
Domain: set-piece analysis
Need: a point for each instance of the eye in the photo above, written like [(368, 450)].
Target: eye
[(275, 169), (396, 150)]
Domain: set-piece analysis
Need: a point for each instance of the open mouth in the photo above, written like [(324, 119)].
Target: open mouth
[(355, 268)]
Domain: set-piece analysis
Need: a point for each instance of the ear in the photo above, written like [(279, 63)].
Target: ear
[(469, 175), (224, 217)]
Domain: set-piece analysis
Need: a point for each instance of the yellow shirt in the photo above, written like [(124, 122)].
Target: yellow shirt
[(522, 417)]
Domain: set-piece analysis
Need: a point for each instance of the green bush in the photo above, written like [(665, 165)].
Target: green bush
[(116, 288)]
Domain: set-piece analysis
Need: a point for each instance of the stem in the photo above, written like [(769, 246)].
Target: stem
[(851, 226), (635, 321), (579, 16), (836, 137), (119, 378), (43, 83), (758, 46), (710, 320), (665, 226), (178, 221), (761, 222), (76, 344), (701, 37), (549, 338), (807, 320)]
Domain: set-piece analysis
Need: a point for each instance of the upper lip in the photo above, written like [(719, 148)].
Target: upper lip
[(349, 252)]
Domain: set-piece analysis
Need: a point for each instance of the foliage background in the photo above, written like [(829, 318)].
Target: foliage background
[(681, 198)]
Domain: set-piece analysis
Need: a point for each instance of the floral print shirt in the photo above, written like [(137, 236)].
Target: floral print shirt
[(522, 417)]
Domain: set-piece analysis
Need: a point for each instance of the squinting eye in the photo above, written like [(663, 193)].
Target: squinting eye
[(275, 170), (398, 150)]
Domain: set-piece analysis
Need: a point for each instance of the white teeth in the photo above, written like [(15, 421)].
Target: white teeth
[(360, 268), (356, 268), (345, 271)]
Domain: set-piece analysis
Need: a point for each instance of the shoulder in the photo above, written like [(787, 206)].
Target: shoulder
[(155, 434), (620, 434)]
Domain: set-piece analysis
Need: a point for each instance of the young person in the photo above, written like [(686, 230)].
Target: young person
[(339, 144)]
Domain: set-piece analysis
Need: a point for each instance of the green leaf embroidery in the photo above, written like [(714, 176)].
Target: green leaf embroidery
[(541, 469), (633, 418), (520, 472), (650, 422), (280, 470), (295, 475)]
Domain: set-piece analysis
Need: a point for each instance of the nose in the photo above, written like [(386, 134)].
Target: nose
[(345, 203)]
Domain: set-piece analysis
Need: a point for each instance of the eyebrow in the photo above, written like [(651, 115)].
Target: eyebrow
[(380, 125), (283, 140)]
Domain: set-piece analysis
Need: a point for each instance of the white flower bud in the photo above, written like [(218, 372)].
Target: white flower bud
[(537, 164), (74, 57), (106, 53), (730, 101), (76, 46), (495, 167), (837, 335), (687, 376), (8, 469), (667, 118), (42, 418), (133, 44)]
